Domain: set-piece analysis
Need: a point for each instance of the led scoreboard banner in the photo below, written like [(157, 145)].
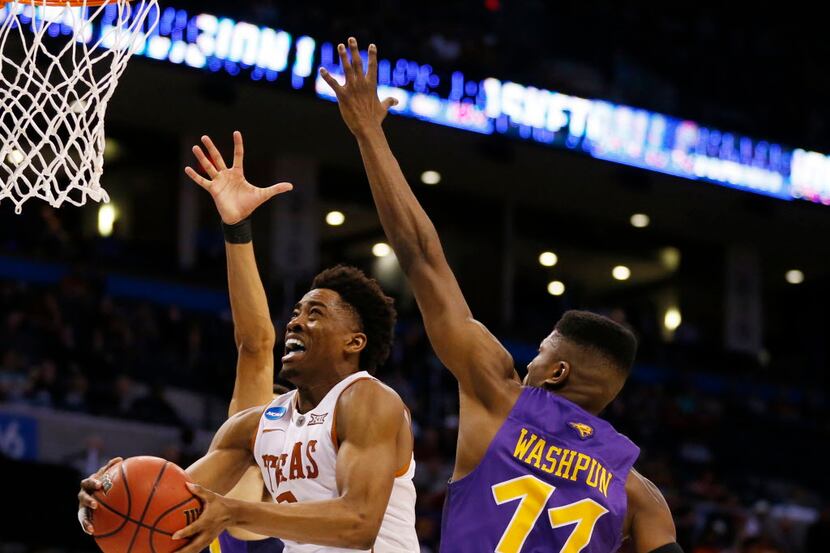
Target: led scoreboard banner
[(601, 129)]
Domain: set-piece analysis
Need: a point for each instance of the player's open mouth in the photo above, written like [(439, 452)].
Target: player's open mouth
[(294, 349)]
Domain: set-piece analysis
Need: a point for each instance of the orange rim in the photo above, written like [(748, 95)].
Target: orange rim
[(59, 3)]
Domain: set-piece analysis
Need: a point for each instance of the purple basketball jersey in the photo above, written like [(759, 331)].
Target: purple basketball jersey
[(226, 543), (551, 481)]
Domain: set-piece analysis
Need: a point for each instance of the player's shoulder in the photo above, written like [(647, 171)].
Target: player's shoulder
[(368, 404), (643, 494), (248, 417), (648, 520), (369, 393)]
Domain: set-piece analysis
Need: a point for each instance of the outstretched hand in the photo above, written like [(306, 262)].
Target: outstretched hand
[(358, 97), (234, 196)]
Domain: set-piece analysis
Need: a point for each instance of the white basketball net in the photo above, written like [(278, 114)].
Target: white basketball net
[(59, 67)]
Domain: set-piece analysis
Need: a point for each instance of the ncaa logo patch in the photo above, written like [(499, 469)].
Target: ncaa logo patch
[(275, 413)]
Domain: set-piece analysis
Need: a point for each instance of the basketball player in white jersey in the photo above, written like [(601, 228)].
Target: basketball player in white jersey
[(255, 338), (336, 453)]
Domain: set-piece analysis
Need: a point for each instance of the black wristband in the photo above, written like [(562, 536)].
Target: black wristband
[(668, 548), (238, 233)]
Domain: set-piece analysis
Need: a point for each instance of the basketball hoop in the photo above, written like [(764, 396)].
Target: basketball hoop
[(59, 66)]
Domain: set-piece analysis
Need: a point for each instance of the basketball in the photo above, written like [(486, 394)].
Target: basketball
[(143, 501)]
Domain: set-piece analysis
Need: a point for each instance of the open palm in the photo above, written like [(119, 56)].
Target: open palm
[(234, 196)]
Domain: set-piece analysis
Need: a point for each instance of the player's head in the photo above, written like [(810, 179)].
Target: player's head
[(587, 358), (344, 323)]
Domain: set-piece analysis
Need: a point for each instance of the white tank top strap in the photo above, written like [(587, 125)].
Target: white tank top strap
[(334, 396)]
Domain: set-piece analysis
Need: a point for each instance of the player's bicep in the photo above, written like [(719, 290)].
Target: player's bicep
[(464, 345), (229, 454), (371, 417)]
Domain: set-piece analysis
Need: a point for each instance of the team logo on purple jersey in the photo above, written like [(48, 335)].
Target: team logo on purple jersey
[(583, 430)]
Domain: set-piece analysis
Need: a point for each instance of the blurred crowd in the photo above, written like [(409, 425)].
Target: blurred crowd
[(735, 457)]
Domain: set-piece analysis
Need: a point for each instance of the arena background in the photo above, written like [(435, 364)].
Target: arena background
[(116, 338)]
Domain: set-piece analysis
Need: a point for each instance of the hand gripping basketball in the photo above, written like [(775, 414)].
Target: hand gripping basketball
[(215, 517), (136, 505), (89, 486)]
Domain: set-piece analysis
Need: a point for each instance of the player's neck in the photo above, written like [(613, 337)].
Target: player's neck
[(310, 395), (580, 397)]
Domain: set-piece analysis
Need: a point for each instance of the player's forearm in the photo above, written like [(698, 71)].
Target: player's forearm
[(218, 471), (407, 226), (253, 329), (333, 523)]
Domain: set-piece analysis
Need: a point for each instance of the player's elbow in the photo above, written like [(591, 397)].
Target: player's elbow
[(424, 253), (260, 341), (363, 532)]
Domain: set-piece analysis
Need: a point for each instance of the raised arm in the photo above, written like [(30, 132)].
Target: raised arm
[(479, 362), (369, 419), (235, 200), (253, 330)]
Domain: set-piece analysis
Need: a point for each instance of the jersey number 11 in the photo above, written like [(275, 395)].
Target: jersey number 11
[(533, 495)]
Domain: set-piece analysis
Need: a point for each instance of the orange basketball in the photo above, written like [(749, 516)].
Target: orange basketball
[(143, 501)]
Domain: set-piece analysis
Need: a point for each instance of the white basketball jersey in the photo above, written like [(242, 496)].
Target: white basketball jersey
[(297, 454)]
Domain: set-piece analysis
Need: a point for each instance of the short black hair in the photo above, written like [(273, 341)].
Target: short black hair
[(375, 310), (607, 337)]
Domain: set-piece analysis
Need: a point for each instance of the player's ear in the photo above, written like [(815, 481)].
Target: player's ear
[(561, 372), (356, 343)]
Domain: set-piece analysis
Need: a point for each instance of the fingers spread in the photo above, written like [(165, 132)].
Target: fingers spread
[(218, 162), (344, 61), (197, 178), (238, 150), (278, 189), (357, 61), (206, 164), (372, 75), (330, 80)]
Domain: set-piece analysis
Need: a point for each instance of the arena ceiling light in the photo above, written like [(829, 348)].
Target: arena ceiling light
[(431, 177), (621, 272), (794, 276), (107, 215), (381, 249), (640, 220), (548, 259), (672, 319), (335, 218), (556, 288)]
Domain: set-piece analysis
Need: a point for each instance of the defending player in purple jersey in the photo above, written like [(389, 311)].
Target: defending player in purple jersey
[(535, 470), (553, 473)]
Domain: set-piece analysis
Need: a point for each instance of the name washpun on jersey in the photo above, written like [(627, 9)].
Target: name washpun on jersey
[(561, 462)]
